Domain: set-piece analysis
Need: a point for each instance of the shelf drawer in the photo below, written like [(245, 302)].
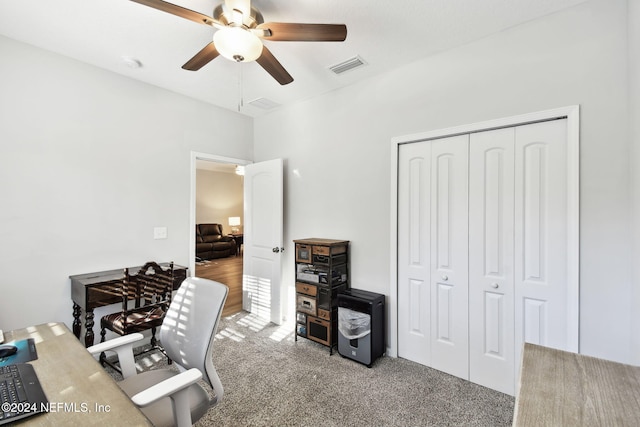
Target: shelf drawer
[(321, 250), (306, 304), (328, 250), (303, 253), (327, 259), (324, 314), (319, 330), (301, 330), (301, 318), (307, 289)]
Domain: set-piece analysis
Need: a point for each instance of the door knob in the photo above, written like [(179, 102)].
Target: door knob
[(445, 277), (276, 250), (494, 285)]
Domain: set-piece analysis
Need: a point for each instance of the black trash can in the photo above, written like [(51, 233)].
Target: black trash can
[(361, 325)]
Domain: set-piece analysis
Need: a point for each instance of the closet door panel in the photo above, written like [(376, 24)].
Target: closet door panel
[(449, 260), (414, 295), (541, 235), (491, 313), (482, 250)]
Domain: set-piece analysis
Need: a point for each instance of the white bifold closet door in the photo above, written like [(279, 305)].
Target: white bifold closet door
[(449, 255), (433, 301), (491, 259), (482, 238)]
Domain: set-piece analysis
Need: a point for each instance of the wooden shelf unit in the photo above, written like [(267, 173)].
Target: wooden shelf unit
[(322, 270)]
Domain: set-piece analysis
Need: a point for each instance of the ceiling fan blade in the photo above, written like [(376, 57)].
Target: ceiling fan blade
[(273, 67), (179, 11), (282, 31), (202, 58)]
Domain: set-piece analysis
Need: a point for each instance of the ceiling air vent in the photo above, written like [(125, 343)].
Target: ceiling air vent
[(264, 103), (347, 65)]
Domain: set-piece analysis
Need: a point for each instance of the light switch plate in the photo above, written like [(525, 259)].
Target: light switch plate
[(159, 232)]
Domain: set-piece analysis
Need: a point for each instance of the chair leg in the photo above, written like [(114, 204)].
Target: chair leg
[(103, 356), (169, 361), (153, 337)]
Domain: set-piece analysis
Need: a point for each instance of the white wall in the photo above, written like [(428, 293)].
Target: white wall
[(90, 162), (634, 108), (337, 148), (219, 195)]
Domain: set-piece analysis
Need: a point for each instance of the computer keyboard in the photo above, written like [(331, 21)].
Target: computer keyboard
[(21, 395)]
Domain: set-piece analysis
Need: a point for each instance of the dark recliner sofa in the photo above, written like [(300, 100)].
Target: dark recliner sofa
[(211, 243)]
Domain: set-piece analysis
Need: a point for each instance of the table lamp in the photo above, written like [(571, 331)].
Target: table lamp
[(234, 222)]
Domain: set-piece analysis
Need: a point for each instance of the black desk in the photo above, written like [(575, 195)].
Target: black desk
[(100, 289)]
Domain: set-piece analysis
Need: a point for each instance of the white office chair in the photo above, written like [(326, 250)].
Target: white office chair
[(166, 397)]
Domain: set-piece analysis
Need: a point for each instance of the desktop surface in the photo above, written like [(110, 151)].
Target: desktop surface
[(79, 391), (560, 388)]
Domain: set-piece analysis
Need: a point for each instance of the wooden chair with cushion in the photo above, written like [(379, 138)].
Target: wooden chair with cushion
[(146, 296), (176, 397)]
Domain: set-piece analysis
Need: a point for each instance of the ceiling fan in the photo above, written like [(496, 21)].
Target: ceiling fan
[(240, 31)]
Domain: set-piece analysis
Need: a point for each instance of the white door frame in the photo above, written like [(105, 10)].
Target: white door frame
[(572, 114), (192, 198)]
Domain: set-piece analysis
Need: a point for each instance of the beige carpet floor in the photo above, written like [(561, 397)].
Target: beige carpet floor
[(272, 380)]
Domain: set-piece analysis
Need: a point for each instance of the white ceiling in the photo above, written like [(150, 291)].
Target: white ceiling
[(385, 34)]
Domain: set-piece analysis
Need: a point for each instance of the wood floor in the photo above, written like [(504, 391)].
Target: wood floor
[(228, 271)]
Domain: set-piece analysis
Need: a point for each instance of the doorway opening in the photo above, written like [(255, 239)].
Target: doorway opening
[(217, 218)]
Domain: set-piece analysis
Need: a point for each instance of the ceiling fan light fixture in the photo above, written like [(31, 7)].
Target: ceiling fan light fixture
[(237, 44)]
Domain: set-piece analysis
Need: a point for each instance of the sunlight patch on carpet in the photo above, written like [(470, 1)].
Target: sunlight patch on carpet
[(253, 322), (230, 334), (284, 331)]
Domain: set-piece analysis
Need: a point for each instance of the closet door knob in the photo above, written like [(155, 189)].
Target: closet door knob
[(445, 277), (495, 285)]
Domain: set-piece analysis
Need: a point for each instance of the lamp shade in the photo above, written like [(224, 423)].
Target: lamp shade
[(234, 221), (237, 44)]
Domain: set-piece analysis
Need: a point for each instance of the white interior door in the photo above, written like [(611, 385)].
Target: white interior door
[(491, 259), (414, 252), (262, 286), (449, 255), (432, 261), (541, 228)]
